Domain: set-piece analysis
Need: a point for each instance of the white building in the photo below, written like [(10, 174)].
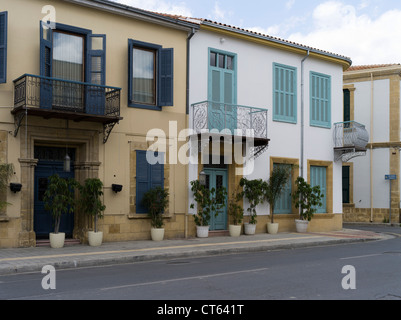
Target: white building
[(301, 88)]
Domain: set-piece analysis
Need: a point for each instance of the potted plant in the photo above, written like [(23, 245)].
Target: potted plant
[(156, 201), (208, 201), (91, 205), (253, 191), (59, 199), (307, 199), (272, 191), (237, 214)]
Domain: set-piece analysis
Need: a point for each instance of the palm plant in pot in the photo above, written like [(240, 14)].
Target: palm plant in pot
[(91, 205), (209, 201), (156, 201), (59, 199), (272, 191), (253, 192), (307, 199), (236, 212)]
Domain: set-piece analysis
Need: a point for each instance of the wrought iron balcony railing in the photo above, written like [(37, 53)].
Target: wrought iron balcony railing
[(232, 119), (31, 91), (350, 134)]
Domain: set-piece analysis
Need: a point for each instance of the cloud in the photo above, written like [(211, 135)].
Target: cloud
[(162, 6), (339, 28), (289, 4)]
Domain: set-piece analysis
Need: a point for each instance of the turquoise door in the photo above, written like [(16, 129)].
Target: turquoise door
[(222, 112), (217, 178)]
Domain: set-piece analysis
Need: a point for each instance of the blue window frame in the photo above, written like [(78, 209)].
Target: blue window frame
[(150, 75), (148, 176), (320, 100), (284, 93), (3, 46), (318, 178)]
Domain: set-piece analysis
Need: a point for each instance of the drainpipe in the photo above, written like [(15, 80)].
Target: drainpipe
[(302, 112), (190, 35), (371, 146)]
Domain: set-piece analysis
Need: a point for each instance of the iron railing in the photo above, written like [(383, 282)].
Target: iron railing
[(52, 94), (350, 134), (228, 118)]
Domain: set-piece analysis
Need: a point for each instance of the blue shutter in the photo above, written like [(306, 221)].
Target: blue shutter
[(284, 93), (46, 58), (166, 77), (142, 179), (96, 74), (283, 204), (320, 100), (318, 178), (157, 175), (3, 46)]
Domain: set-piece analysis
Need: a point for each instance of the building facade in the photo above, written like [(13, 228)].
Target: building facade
[(372, 97), (90, 79), (289, 95)]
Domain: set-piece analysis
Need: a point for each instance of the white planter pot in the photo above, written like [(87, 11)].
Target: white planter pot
[(301, 226), (157, 234), (57, 240), (249, 228), (272, 228), (95, 238), (202, 232), (235, 231)]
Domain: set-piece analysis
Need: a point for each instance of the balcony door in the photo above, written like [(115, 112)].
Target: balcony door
[(222, 111)]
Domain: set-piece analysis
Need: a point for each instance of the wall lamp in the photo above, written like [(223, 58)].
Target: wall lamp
[(15, 187), (116, 187)]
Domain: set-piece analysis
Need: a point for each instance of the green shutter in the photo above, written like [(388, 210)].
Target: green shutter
[(284, 93), (284, 203), (318, 178), (320, 100), (347, 105)]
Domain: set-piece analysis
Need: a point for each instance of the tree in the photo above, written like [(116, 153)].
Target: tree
[(156, 201), (307, 198), (253, 191)]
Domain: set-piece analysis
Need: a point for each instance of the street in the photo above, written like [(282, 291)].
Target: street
[(359, 271)]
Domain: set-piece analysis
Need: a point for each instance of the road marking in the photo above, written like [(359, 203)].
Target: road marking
[(365, 256), (184, 279), (155, 249)]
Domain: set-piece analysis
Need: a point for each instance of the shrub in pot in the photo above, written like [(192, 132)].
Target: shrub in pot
[(156, 201), (272, 191), (59, 200), (208, 201), (307, 199), (6, 171), (236, 212), (253, 192), (91, 205)]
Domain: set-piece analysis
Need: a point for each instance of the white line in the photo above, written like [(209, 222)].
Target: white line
[(184, 279), (366, 256)]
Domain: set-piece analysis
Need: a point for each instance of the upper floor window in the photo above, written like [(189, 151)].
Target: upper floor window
[(320, 100), (150, 75), (3, 47), (284, 93)]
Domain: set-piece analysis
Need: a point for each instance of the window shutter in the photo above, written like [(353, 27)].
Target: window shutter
[(318, 178), (157, 175), (166, 77), (3, 46), (320, 113), (285, 93), (46, 59), (142, 180)]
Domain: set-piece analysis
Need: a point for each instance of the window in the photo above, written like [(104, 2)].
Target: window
[(285, 93), (347, 105), (3, 47), (320, 100), (318, 178), (283, 205), (147, 177), (150, 75)]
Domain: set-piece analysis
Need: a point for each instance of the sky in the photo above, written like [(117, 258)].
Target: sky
[(367, 31)]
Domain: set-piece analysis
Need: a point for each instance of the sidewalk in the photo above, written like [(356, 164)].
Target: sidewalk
[(33, 259)]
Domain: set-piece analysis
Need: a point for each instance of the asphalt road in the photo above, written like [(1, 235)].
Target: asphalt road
[(360, 271)]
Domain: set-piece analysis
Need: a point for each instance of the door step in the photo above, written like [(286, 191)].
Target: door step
[(219, 233), (67, 242)]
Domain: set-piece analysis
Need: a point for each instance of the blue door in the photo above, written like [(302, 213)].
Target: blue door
[(217, 178), (43, 220)]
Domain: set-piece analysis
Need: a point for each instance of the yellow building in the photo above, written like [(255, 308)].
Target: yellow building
[(90, 79)]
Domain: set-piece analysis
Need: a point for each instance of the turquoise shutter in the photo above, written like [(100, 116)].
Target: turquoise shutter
[(283, 204), (285, 93), (320, 112), (3, 46), (318, 178), (96, 74), (166, 77), (142, 179), (46, 59)]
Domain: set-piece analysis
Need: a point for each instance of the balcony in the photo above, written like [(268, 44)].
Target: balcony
[(350, 140), (56, 98), (232, 120)]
